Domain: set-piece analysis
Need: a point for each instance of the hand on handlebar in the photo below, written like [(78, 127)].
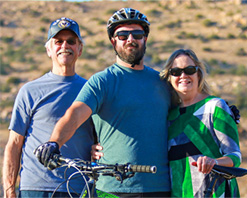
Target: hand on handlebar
[(44, 153), (205, 164), (95, 152)]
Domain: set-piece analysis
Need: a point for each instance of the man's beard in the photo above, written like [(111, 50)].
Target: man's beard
[(135, 56)]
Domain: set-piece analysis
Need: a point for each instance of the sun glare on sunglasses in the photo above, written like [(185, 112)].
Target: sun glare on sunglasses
[(190, 70), (124, 35)]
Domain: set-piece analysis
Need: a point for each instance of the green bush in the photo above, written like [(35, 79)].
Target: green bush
[(45, 20), (5, 88), (208, 23), (110, 12), (7, 39), (214, 37), (231, 36), (174, 24), (6, 103), (207, 49), (241, 70), (156, 59), (170, 46), (5, 68), (1, 23), (14, 80), (241, 52), (154, 13), (184, 35), (100, 43), (34, 13), (242, 36), (42, 29), (199, 16)]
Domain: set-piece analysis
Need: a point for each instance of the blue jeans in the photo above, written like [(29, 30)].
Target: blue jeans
[(44, 194)]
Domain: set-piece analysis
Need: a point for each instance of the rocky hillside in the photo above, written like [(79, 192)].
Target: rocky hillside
[(216, 31)]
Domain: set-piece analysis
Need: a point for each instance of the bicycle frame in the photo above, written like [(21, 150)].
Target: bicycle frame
[(225, 172)]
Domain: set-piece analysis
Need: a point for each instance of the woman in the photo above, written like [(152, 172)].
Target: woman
[(201, 130)]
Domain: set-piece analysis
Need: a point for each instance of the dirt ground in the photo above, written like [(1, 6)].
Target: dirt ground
[(241, 181)]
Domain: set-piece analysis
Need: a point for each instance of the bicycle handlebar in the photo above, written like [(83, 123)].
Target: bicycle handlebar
[(227, 172), (142, 168), (93, 166)]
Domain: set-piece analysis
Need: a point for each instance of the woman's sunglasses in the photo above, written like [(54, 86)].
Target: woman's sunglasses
[(176, 71), (124, 35)]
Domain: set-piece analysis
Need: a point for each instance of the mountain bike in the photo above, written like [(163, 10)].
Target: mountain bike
[(222, 171), (92, 170)]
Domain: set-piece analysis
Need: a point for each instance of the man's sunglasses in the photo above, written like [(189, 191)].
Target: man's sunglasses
[(176, 71), (124, 35)]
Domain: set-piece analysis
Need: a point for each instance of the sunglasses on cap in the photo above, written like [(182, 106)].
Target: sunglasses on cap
[(124, 35), (176, 71)]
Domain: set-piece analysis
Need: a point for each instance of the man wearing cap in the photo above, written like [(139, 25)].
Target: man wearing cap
[(129, 106), (38, 106)]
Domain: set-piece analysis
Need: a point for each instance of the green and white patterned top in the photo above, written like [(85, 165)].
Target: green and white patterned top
[(202, 129)]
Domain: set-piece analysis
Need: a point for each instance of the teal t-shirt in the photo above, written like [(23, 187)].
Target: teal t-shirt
[(130, 109)]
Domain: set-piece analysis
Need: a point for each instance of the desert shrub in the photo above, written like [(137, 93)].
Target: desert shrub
[(199, 16), (5, 88), (88, 55), (241, 52), (174, 24), (191, 36), (185, 35), (110, 12), (242, 36), (101, 22), (214, 37), (154, 13), (202, 38), (241, 70), (231, 36), (100, 43), (7, 39), (1, 23), (192, 5), (42, 29), (170, 46), (5, 67), (208, 23), (45, 19), (207, 49), (241, 96), (34, 13), (156, 59), (13, 80)]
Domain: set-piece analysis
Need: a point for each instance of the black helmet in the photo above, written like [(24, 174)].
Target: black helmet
[(129, 16)]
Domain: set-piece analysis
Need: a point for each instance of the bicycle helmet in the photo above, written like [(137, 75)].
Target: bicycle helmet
[(129, 16)]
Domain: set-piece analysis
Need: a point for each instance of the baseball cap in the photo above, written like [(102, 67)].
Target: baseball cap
[(63, 24)]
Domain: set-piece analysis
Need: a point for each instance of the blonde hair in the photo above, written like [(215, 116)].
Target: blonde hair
[(203, 86)]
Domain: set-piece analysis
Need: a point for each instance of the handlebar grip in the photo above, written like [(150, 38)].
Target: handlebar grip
[(59, 158), (142, 168)]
